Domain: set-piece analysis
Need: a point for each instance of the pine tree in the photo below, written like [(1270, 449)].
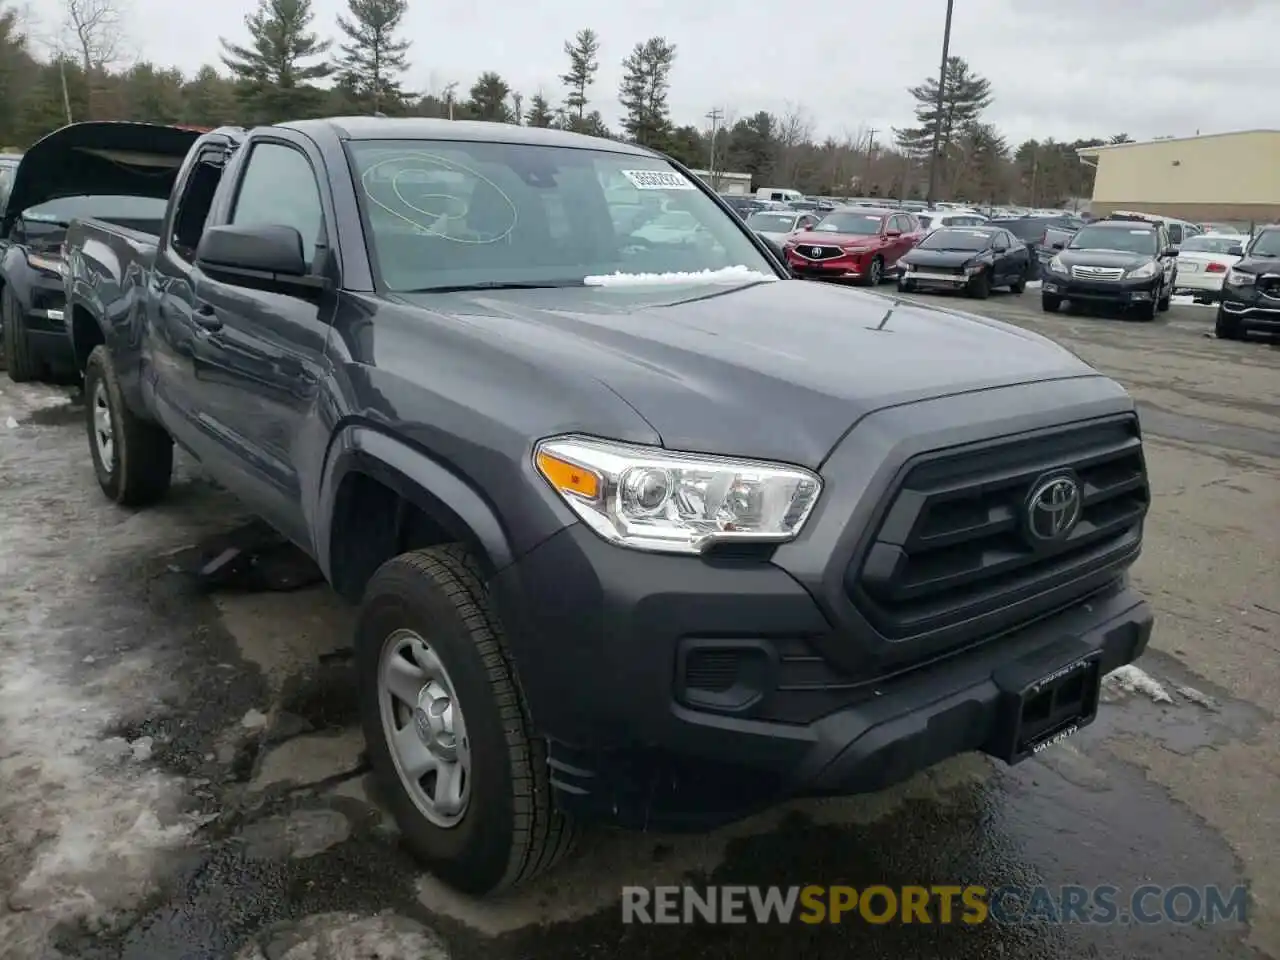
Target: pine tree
[(966, 95), (371, 63), (646, 79), (584, 60), (539, 114), (489, 98), (276, 66)]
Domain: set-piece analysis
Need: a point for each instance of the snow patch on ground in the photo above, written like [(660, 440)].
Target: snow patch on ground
[(726, 275), (1131, 679), (84, 824), (1033, 284)]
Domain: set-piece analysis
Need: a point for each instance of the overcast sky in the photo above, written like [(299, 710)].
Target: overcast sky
[(1060, 68)]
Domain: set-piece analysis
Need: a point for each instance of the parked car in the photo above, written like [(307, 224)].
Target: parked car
[(778, 226), (1039, 234), (624, 550), (741, 204), (1250, 299), (102, 185), (970, 259), (933, 219), (1203, 262), (1127, 264), (861, 244)]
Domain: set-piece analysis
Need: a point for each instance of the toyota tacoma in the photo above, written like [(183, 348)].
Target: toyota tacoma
[(641, 530)]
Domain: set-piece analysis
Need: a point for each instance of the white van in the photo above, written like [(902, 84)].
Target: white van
[(779, 193)]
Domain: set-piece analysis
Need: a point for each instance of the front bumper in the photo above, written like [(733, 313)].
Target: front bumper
[(1120, 293), (1251, 309), (1200, 282), (936, 277), (851, 266), (680, 692)]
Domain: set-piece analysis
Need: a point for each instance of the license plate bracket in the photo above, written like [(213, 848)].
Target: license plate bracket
[(1045, 699)]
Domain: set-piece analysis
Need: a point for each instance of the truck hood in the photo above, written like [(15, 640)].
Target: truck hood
[(99, 158), (779, 370), (1259, 265)]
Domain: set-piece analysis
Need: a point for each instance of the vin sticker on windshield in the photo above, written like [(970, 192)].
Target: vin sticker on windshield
[(658, 180)]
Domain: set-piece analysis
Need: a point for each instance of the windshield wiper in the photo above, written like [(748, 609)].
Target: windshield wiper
[(498, 285)]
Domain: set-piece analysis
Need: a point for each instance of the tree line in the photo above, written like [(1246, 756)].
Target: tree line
[(282, 68)]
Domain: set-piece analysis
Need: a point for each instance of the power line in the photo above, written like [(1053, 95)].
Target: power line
[(714, 115)]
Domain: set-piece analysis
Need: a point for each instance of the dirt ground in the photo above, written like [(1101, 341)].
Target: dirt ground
[(180, 776)]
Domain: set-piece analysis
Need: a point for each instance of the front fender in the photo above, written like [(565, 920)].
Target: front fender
[(440, 492)]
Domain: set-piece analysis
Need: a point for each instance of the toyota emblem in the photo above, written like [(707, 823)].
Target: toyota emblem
[(1053, 508)]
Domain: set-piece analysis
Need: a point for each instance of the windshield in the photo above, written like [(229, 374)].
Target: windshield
[(772, 222), (946, 239), (1266, 244), (1211, 244), (1124, 240), (862, 224), (457, 213), (112, 208)]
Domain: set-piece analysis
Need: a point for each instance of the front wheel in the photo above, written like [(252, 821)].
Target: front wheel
[(979, 286), (17, 346), (1018, 286), (906, 286), (1227, 327), (875, 273), (1049, 303), (132, 458), (449, 738)]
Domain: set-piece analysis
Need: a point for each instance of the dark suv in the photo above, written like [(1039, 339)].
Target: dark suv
[(1251, 290), (1118, 263)]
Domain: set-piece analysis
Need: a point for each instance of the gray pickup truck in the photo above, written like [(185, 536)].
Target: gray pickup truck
[(641, 529)]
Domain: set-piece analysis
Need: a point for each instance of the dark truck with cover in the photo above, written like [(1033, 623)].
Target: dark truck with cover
[(641, 529)]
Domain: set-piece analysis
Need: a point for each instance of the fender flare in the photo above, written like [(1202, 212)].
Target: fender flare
[(456, 505)]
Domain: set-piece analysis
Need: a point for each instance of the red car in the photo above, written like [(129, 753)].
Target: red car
[(861, 244)]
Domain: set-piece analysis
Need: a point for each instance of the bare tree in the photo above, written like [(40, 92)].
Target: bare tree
[(96, 28), (795, 130)]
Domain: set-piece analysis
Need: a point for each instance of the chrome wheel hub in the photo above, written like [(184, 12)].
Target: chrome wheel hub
[(104, 431), (424, 728)]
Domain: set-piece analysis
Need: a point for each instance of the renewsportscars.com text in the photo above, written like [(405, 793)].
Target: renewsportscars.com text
[(938, 904)]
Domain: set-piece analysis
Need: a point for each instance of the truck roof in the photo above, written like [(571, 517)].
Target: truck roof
[(423, 128)]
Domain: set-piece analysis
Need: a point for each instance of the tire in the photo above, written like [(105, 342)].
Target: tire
[(507, 831), (1019, 286), (1050, 303), (875, 274), (1227, 327), (23, 367), (1147, 312), (906, 286), (979, 286), (1164, 303), (132, 458)]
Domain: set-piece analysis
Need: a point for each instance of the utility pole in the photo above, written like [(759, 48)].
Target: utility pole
[(871, 152), (942, 91), (448, 96), (714, 116)]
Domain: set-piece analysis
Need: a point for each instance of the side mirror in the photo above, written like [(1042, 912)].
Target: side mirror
[(891, 232), (265, 257), (1236, 251), (1059, 245), (1170, 251)]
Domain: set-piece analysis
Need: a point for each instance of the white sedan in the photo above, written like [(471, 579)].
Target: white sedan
[(1203, 263)]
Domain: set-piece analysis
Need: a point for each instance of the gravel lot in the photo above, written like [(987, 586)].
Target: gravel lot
[(180, 776)]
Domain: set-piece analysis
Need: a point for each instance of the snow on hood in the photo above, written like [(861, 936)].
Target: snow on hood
[(739, 274)]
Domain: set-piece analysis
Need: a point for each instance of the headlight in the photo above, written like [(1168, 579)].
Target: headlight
[(1057, 266), (1239, 279), (971, 269), (653, 499), (46, 263), (1144, 271)]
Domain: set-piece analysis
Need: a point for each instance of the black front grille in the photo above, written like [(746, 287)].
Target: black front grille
[(823, 253), (953, 546)]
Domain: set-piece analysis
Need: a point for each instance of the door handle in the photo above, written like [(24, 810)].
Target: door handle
[(206, 317)]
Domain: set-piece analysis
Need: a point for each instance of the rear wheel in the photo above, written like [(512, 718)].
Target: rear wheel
[(1227, 327), (23, 367), (132, 458), (448, 734), (1049, 303)]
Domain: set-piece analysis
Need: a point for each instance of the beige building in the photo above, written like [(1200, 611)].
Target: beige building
[(1225, 176), (724, 181)]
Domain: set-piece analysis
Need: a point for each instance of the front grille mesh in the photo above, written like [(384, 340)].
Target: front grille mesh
[(952, 547)]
